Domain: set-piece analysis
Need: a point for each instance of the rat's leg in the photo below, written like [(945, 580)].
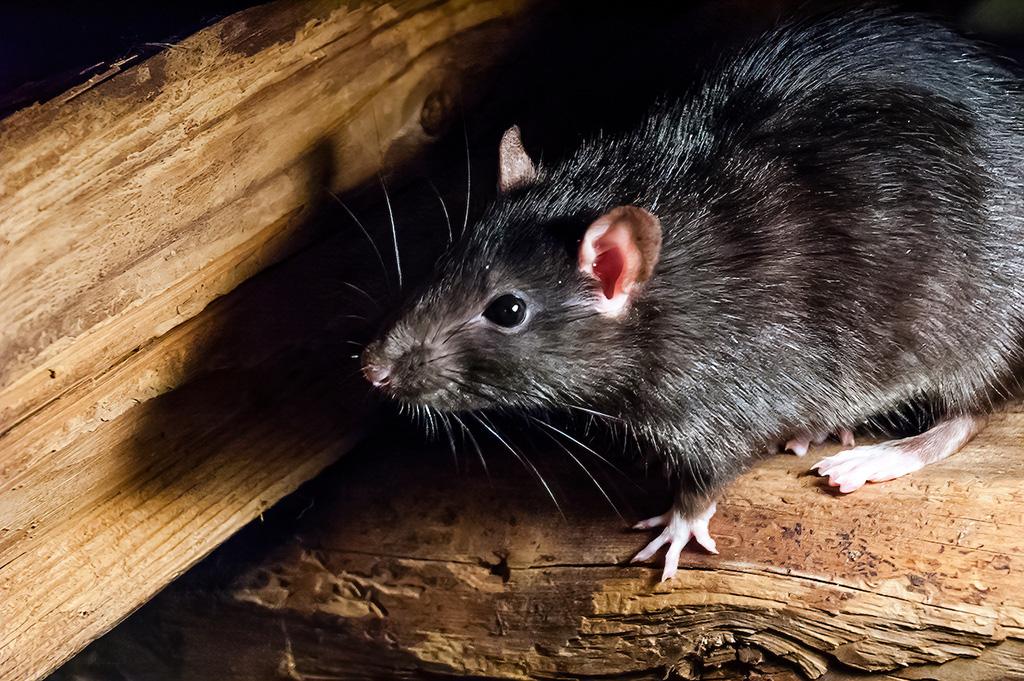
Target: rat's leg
[(696, 487), (698, 471), (799, 445), (679, 529), (849, 470)]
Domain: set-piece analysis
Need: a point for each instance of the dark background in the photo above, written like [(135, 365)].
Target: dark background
[(48, 47)]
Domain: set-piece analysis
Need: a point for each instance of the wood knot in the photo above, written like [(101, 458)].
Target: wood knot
[(436, 112)]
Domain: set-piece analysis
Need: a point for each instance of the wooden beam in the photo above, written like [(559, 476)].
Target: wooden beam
[(142, 419), (128, 208), (461, 575)]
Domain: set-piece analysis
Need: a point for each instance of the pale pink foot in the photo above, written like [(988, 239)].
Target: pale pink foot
[(851, 469), (800, 445), (677, 534)]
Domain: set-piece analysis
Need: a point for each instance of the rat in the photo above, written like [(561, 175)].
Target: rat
[(827, 230)]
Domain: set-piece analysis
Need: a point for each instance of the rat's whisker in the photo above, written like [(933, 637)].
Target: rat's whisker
[(522, 459), (592, 412), (469, 176), (394, 231), (592, 451), (373, 244), (479, 452), (465, 387), (498, 389), (421, 419), (451, 437), (589, 474), (444, 209), (363, 293), (454, 331), (351, 374), (428, 415)]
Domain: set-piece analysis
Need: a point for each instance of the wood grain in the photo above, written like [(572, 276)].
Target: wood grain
[(457, 575), (128, 208), (144, 415)]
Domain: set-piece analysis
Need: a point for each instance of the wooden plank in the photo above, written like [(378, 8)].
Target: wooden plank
[(458, 575), (123, 489), (144, 419), (126, 209)]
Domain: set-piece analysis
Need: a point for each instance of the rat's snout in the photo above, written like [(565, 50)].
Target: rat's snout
[(377, 374), (401, 372), (377, 368)]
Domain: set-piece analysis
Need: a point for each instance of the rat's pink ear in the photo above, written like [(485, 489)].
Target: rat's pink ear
[(620, 250), (515, 168)]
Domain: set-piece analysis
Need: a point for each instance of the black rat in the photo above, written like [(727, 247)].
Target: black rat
[(828, 230)]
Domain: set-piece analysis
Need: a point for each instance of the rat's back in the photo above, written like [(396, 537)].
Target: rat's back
[(850, 189)]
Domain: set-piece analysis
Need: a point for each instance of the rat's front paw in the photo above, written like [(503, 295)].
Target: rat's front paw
[(677, 533)]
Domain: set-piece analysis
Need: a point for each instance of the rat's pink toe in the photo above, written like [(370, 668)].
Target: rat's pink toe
[(801, 444), (672, 560), (656, 521), (705, 539), (652, 548), (798, 446), (852, 469)]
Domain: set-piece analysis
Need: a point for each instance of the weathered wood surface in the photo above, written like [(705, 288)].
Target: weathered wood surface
[(124, 213), (400, 568), (125, 209)]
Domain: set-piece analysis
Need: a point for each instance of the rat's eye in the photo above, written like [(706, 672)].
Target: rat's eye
[(508, 310)]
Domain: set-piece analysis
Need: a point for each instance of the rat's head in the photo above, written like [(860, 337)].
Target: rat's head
[(530, 308)]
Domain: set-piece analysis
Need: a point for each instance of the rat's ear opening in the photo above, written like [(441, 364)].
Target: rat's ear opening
[(515, 168), (620, 250)]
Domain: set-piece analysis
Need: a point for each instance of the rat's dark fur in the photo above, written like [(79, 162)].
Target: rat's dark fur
[(843, 214)]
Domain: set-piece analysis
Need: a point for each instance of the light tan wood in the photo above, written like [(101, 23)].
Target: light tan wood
[(142, 419), (120, 489), (446, 574), (127, 209)]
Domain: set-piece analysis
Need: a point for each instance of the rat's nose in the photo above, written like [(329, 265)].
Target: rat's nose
[(377, 374)]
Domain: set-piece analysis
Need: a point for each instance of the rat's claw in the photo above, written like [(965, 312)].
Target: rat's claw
[(677, 533)]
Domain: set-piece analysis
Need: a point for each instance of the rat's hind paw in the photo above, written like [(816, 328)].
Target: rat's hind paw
[(849, 470), (677, 533), (799, 445)]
